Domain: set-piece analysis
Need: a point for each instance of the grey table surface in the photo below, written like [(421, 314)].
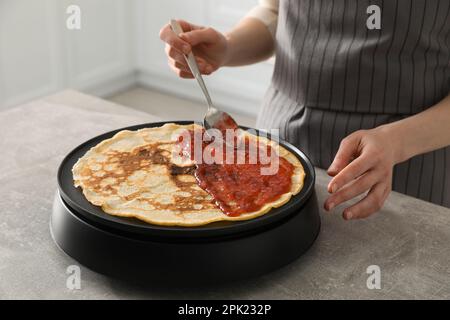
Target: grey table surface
[(408, 239)]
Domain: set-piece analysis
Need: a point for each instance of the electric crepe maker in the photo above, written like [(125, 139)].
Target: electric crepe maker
[(134, 251)]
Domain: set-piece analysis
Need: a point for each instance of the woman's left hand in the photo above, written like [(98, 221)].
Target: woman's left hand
[(364, 162)]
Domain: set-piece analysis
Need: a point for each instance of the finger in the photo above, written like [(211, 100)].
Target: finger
[(182, 73), (345, 154), (187, 26), (352, 189), (356, 168), (205, 35), (369, 204), (167, 35), (204, 67), (178, 65), (173, 53)]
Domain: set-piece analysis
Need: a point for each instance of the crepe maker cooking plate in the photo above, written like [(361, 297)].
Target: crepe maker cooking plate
[(129, 249)]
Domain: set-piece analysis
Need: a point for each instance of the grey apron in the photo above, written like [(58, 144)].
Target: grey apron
[(334, 76)]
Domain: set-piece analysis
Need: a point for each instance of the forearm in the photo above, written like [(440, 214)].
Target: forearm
[(249, 42), (421, 133)]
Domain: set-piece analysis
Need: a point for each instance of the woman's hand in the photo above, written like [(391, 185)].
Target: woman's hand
[(365, 159), (208, 45), (364, 162)]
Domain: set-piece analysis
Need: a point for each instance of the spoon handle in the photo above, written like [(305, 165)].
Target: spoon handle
[(190, 59)]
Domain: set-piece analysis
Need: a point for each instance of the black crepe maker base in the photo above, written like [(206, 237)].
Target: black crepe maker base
[(133, 251)]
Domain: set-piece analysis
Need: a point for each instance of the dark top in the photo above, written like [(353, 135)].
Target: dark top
[(333, 75)]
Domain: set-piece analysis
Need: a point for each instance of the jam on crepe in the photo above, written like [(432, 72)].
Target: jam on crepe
[(239, 187)]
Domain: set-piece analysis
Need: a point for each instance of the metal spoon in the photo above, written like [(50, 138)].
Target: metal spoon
[(214, 118)]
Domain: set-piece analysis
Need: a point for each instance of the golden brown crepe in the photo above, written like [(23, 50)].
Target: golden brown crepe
[(134, 174)]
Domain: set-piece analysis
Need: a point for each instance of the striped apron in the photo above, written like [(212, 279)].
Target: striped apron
[(334, 76)]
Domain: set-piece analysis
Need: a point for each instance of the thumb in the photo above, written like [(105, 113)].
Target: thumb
[(195, 37), (345, 154)]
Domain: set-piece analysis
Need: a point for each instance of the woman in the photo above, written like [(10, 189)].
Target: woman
[(368, 100)]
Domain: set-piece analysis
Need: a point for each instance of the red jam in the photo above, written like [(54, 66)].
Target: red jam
[(239, 188), (226, 122)]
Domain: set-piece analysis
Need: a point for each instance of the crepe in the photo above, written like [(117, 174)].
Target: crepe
[(134, 174)]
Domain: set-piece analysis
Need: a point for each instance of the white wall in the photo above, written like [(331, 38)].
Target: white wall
[(117, 46), (39, 55), (102, 52)]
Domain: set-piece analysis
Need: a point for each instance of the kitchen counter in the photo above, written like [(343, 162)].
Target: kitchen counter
[(408, 239)]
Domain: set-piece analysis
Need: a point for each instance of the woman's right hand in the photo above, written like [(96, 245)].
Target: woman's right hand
[(208, 45)]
